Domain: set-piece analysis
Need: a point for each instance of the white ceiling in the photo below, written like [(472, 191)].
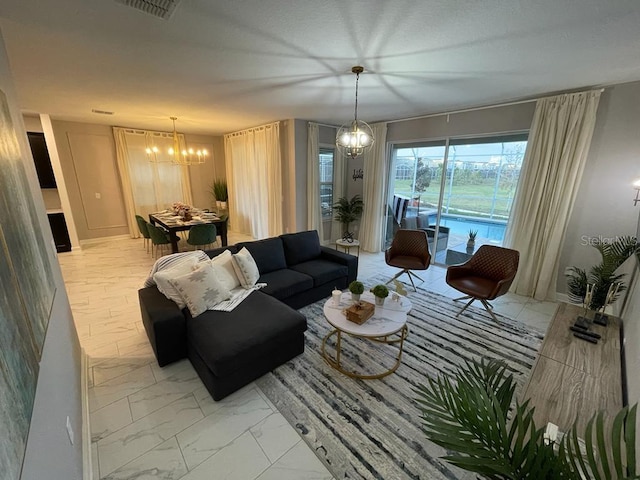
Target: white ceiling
[(225, 65)]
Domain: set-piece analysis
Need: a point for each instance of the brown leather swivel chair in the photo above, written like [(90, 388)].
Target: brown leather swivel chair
[(485, 276), (409, 251)]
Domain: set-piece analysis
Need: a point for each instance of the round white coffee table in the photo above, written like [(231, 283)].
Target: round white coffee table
[(388, 325)]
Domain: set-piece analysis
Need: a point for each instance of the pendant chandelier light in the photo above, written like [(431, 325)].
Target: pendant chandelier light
[(175, 154), (355, 137)]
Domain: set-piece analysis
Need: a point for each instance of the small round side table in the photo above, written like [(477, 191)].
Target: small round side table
[(346, 246)]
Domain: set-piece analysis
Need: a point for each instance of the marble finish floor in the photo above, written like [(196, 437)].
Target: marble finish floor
[(149, 422)]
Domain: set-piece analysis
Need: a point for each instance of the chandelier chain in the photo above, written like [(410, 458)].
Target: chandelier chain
[(356, 109)]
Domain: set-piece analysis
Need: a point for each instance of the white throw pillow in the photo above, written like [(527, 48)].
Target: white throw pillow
[(226, 272), (246, 268), (162, 278), (200, 289)]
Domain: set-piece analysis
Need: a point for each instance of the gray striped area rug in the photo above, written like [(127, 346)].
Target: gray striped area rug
[(371, 429)]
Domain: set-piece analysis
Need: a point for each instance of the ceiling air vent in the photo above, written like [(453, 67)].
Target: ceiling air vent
[(159, 8)]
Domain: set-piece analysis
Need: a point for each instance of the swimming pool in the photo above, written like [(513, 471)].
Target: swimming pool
[(489, 229)]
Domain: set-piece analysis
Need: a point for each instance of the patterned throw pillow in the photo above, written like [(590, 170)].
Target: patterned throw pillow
[(162, 278), (246, 268), (200, 289), (226, 272)]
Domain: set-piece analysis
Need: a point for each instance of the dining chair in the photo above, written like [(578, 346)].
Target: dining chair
[(159, 238), (487, 275), (202, 235), (144, 231)]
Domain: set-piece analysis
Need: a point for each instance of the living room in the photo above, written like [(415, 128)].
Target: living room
[(603, 205)]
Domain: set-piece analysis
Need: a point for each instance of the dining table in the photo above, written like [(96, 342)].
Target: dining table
[(173, 224)]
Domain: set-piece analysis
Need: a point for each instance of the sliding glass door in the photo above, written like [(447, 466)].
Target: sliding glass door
[(456, 188)]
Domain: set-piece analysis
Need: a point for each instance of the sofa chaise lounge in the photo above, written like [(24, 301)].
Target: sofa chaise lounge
[(230, 349)]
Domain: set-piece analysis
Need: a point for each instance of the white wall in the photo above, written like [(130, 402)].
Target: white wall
[(604, 204), (49, 454), (631, 318)]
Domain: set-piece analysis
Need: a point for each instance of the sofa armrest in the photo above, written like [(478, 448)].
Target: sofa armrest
[(165, 325), (351, 261)]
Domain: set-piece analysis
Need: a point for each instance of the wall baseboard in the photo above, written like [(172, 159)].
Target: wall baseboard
[(93, 241), (87, 467)]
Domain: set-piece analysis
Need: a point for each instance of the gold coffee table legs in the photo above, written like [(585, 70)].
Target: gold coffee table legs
[(335, 361)]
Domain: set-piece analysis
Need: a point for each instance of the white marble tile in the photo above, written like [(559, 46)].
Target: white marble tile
[(299, 462), (163, 393), (241, 459), (100, 354), (110, 419), (181, 368), (215, 431), (275, 436), (120, 387), (116, 367), (209, 405), (130, 442), (163, 462)]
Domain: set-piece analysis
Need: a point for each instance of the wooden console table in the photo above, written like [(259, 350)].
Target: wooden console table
[(574, 378)]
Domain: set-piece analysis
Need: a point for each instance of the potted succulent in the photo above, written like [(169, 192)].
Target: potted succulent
[(346, 212), (356, 288), (220, 192), (471, 243), (380, 292)]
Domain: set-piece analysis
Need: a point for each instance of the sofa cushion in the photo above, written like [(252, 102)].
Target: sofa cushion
[(301, 247), (322, 271), (227, 341), (285, 283), (268, 254)]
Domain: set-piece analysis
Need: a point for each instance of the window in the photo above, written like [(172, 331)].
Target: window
[(326, 182), (461, 184)]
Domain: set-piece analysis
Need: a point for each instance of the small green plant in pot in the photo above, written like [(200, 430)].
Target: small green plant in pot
[(356, 288), (380, 292), (471, 243)]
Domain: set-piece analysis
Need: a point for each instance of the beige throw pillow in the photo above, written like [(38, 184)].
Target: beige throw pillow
[(246, 268), (161, 279), (226, 272), (200, 289)]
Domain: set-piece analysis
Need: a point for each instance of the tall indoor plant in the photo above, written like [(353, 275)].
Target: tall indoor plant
[(346, 212), (471, 416), (220, 192)]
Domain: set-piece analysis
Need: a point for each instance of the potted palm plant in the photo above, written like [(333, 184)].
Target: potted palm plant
[(471, 416), (603, 275), (471, 243), (346, 212)]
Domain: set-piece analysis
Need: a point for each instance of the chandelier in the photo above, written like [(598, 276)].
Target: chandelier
[(176, 154), (354, 138)]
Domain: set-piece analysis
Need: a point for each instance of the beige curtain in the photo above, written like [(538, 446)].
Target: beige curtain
[(556, 153), (375, 186), (147, 186), (254, 176), (314, 212), (339, 189)]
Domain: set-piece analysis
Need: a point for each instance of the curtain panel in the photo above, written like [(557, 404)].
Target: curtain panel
[(254, 176), (374, 191), (554, 161), (314, 212), (148, 186)]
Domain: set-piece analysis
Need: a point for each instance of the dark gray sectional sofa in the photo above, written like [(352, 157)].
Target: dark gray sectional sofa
[(231, 349)]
